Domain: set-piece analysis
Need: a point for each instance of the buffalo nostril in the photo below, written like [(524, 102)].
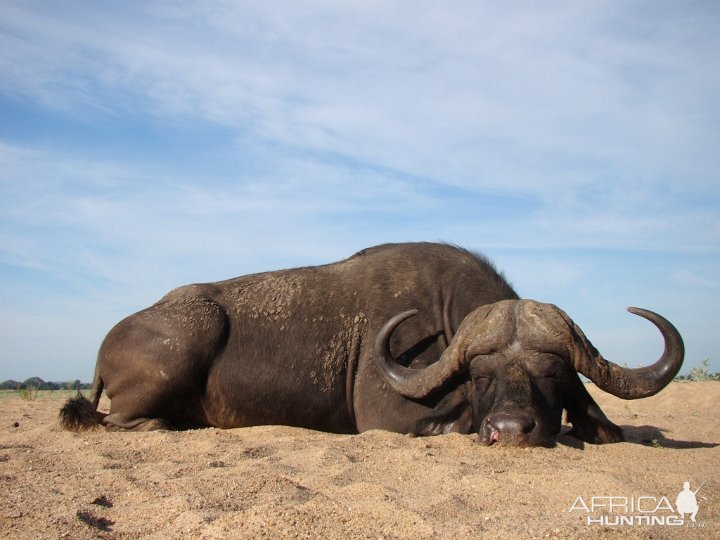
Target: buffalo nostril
[(512, 423), (528, 425)]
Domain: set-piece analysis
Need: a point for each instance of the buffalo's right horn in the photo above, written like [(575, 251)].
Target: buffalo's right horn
[(413, 383)]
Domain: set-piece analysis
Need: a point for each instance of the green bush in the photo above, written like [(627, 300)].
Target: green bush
[(700, 373), (27, 391)]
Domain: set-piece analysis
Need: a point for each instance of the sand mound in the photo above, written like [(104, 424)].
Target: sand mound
[(270, 481)]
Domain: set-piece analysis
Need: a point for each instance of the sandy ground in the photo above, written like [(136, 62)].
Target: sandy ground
[(274, 482)]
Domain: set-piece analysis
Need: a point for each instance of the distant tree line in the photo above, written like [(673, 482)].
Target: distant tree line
[(698, 373), (39, 384)]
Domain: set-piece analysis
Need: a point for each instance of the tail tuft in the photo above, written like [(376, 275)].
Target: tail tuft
[(79, 414)]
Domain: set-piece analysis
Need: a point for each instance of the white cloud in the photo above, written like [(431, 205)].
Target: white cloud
[(687, 277), (473, 96), (572, 126)]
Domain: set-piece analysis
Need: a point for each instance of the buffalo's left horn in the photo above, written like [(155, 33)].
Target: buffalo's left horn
[(413, 383), (629, 383)]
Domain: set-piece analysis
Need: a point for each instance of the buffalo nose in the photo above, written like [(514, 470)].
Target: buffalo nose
[(512, 424)]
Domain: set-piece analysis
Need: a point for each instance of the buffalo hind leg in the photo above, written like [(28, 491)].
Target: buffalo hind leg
[(116, 422), (155, 362)]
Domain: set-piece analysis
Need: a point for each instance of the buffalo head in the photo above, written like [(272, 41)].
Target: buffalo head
[(513, 367)]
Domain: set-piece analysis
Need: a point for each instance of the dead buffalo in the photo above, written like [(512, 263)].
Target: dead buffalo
[(415, 338)]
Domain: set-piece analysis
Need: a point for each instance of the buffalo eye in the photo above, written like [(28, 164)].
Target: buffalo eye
[(482, 380), (482, 371), (550, 368), (556, 374)]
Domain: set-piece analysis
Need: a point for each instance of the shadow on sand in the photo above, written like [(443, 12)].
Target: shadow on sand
[(643, 435)]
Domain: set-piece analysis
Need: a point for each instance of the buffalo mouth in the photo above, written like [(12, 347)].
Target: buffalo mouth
[(509, 430)]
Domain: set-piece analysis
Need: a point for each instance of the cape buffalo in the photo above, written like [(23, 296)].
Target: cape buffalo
[(415, 338)]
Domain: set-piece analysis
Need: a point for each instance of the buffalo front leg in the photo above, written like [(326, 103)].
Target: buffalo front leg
[(589, 422)]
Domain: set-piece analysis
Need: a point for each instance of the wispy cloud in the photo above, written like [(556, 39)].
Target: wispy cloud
[(688, 277), (179, 141), (481, 97)]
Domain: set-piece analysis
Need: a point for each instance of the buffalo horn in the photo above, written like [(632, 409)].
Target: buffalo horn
[(629, 383), (413, 383)]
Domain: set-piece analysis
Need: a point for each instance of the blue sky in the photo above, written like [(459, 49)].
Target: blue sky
[(145, 145)]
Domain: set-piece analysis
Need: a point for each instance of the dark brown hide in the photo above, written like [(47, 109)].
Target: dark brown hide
[(298, 347), (292, 347)]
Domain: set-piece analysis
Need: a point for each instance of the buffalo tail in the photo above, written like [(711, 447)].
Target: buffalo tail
[(81, 414), (78, 414)]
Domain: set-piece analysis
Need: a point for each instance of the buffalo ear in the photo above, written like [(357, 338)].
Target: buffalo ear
[(453, 414), (589, 422)]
